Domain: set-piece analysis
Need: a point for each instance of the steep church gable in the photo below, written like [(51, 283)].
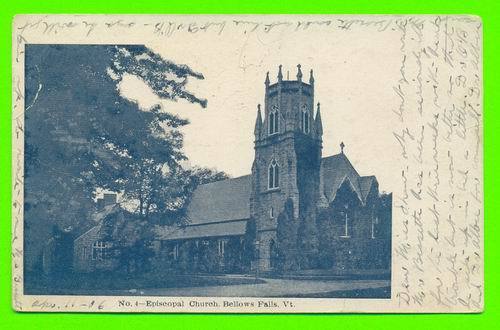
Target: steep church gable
[(368, 184), (334, 171), (337, 169)]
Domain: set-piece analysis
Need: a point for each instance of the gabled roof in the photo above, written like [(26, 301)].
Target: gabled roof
[(366, 183), (105, 211), (334, 171), (90, 232), (222, 208), (221, 201)]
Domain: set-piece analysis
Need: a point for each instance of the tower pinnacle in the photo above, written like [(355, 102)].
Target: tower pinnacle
[(280, 74), (299, 73), (258, 123), (318, 123)]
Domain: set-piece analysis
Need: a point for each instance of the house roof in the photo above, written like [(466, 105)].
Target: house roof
[(104, 212), (90, 232)]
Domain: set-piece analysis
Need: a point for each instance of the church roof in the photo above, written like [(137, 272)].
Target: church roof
[(221, 208), (366, 183), (217, 229), (334, 171), (221, 201)]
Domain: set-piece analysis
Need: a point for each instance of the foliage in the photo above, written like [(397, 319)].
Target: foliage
[(233, 257), (249, 253), (326, 236), (81, 135), (286, 235), (308, 241)]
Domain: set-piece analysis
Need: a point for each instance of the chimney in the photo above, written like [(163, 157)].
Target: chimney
[(109, 199)]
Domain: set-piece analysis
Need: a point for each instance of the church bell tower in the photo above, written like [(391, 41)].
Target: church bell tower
[(288, 142)]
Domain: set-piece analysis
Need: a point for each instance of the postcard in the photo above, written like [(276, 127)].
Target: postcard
[(247, 164)]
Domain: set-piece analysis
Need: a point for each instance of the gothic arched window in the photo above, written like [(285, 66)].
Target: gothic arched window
[(274, 175), (274, 120), (375, 223), (305, 120), (345, 218)]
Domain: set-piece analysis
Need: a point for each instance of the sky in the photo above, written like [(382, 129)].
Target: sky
[(354, 77)]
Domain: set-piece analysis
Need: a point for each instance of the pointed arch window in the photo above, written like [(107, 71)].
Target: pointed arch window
[(374, 224), (346, 221), (274, 175), (274, 120), (305, 121)]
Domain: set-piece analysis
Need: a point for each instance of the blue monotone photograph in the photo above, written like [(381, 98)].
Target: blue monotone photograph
[(123, 198)]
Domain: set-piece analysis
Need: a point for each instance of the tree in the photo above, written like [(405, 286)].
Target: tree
[(326, 237), (286, 235), (201, 175), (81, 134), (308, 241), (130, 238), (249, 253), (233, 255)]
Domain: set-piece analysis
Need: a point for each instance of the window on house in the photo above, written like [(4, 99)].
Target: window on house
[(271, 213), (274, 175), (99, 250), (305, 121), (274, 120)]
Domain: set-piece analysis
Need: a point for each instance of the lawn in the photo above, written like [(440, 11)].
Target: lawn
[(78, 283)]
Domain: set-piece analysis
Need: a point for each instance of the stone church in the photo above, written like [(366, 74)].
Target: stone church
[(342, 222), (352, 218)]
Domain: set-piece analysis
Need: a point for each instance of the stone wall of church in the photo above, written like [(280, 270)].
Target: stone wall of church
[(367, 245), (361, 250), (268, 203), (265, 241)]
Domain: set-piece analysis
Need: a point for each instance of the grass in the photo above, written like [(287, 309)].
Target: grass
[(102, 282)]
